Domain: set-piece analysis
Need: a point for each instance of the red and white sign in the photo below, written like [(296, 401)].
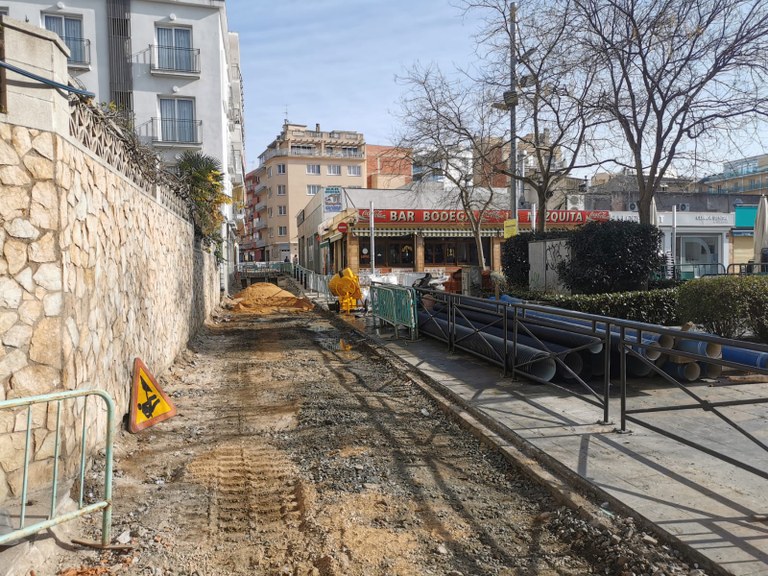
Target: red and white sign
[(562, 217), (342, 227)]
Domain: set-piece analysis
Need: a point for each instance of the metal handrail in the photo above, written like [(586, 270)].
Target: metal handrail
[(749, 268), (172, 130), (691, 271), (79, 51), (630, 339), (46, 81), (105, 505), (174, 59)]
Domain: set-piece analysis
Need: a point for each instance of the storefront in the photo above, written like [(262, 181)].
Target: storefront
[(428, 240), (409, 235), (702, 240)]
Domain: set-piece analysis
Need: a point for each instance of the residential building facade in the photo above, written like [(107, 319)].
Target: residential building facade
[(747, 176), (295, 167), (172, 66), (388, 167)]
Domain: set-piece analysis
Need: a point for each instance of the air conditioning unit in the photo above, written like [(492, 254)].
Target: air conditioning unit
[(634, 206), (684, 207), (575, 202)]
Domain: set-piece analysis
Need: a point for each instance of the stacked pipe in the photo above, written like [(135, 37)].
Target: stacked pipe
[(544, 335), (687, 368), (573, 333), (691, 369), (476, 316), (535, 362)]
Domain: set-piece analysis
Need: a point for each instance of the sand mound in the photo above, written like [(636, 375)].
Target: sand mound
[(266, 298)]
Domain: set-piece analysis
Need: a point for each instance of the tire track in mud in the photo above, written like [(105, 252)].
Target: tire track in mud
[(253, 501)]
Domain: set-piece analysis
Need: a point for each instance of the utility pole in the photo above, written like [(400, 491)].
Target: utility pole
[(510, 100)]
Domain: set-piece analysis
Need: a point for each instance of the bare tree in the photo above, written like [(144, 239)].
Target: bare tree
[(553, 123), (443, 121), (672, 72)]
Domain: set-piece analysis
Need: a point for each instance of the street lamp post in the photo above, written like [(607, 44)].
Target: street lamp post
[(510, 100)]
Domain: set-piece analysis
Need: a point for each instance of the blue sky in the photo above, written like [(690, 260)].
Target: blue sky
[(334, 62)]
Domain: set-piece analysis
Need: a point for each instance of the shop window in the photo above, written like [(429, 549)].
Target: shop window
[(444, 252)]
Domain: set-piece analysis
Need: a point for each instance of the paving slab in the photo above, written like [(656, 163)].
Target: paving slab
[(716, 508)]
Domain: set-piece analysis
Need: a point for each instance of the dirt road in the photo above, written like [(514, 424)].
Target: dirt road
[(290, 455)]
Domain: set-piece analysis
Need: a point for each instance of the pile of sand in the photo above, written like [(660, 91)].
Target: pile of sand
[(266, 298)]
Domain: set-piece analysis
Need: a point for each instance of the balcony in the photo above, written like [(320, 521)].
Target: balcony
[(260, 205), (309, 153), (79, 52), (172, 61), (173, 132), (259, 224)]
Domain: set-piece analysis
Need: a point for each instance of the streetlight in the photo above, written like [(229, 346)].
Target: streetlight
[(510, 100)]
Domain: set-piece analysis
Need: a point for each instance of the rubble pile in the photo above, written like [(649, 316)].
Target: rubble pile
[(266, 298)]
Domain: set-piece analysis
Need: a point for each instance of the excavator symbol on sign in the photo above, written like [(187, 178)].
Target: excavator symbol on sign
[(148, 407)]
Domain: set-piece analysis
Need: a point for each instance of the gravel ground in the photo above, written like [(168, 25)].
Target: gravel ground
[(291, 455)]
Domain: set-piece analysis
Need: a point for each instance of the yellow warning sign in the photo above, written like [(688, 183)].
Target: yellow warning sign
[(510, 228), (149, 404)]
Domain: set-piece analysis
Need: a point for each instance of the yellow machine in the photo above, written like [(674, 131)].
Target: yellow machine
[(346, 287)]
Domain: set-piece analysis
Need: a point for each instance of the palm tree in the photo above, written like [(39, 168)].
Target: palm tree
[(203, 178)]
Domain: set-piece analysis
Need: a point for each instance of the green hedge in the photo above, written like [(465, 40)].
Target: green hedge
[(651, 306), (612, 256), (727, 305)]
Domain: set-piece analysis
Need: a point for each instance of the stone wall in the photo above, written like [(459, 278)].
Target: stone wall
[(94, 271)]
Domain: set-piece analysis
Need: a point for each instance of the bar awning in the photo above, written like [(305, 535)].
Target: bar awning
[(384, 231), (428, 232)]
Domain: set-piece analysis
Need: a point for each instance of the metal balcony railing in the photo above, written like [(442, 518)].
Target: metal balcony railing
[(79, 51), (169, 59), (313, 153), (173, 131)]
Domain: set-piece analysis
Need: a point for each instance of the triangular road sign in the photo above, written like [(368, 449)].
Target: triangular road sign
[(149, 404)]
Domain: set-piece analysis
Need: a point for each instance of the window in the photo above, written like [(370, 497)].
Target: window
[(313, 189), (334, 170), (270, 212), (281, 189), (354, 171), (313, 169), (71, 31), (4, 10), (282, 210), (174, 49), (350, 151), (281, 168), (177, 120), (440, 251), (282, 230), (269, 172)]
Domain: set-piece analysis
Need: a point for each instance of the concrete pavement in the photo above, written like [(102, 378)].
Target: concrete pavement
[(718, 510)]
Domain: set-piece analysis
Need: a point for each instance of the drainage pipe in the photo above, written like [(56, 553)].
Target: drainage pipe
[(751, 358), (571, 359), (538, 363), (563, 335), (699, 347), (688, 372), (710, 370), (648, 337)]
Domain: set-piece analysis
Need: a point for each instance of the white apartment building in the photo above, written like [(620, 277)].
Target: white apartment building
[(172, 63), (296, 166)]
